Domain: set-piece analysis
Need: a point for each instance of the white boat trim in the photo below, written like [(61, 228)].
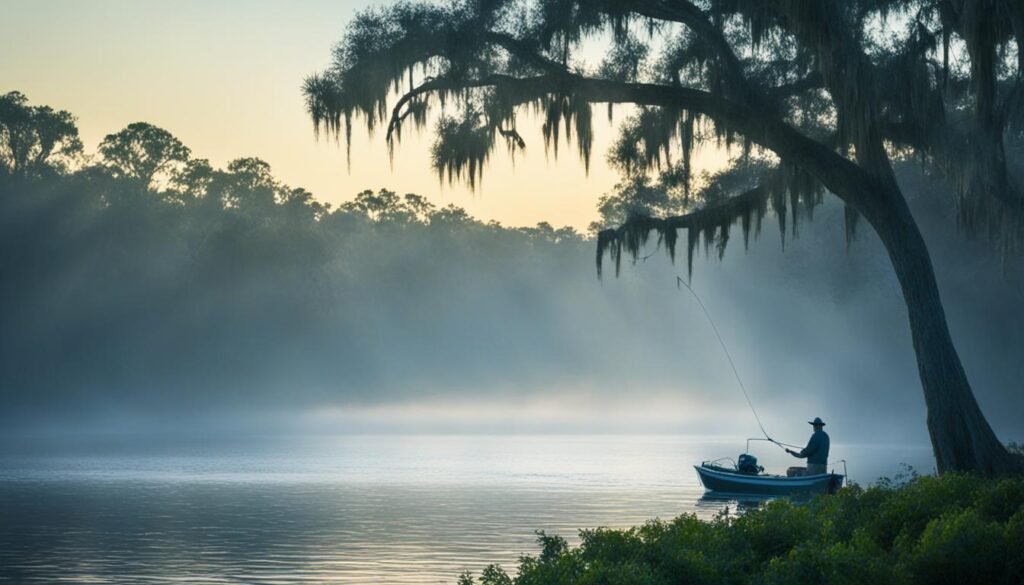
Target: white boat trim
[(765, 480)]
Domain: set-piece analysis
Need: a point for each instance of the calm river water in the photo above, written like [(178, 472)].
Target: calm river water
[(369, 509)]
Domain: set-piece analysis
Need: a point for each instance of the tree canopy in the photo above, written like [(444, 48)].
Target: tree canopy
[(143, 153), (811, 84), (35, 140), (823, 94), (214, 283)]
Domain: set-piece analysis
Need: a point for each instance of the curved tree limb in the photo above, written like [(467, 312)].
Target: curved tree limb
[(838, 174), (428, 86), (524, 51), (813, 80), (696, 20), (633, 234)]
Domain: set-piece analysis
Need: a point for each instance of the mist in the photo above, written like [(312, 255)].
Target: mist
[(128, 316)]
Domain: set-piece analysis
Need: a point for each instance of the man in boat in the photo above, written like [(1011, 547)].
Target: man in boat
[(816, 451)]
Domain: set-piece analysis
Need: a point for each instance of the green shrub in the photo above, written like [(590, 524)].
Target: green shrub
[(842, 563), (495, 575), (959, 547), (928, 530), (775, 529), (1001, 499), (611, 546), (1015, 550), (694, 551), (904, 512)]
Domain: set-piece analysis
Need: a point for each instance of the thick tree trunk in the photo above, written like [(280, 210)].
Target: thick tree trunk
[(961, 436), (962, 439)]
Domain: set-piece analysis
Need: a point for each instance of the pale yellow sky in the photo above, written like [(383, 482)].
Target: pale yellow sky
[(225, 78)]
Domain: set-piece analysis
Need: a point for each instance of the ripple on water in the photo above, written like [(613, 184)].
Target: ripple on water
[(365, 510)]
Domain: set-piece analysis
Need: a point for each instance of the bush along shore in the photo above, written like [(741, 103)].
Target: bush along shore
[(949, 529)]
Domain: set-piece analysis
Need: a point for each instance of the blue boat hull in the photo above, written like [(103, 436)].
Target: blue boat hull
[(718, 479)]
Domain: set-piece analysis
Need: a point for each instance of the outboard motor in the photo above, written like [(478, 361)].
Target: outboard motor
[(747, 464)]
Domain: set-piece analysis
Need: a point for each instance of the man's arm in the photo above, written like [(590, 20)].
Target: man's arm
[(812, 446), (810, 449)]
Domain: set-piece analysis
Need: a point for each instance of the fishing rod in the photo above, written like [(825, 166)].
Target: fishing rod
[(735, 372)]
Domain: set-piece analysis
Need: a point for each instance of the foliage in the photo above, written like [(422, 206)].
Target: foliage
[(143, 153), (671, 194), (917, 77), (832, 91), (35, 140), (213, 278), (951, 529)]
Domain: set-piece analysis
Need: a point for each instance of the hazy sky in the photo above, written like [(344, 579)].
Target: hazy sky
[(225, 77)]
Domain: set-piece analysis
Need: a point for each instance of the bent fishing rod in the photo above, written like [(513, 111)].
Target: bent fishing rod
[(680, 283)]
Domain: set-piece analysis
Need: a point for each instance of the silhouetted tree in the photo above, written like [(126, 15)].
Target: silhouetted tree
[(246, 184), (219, 280), (992, 89), (300, 203), (386, 206), (143, 153), (35, 140), (192, 182), (832, 89)]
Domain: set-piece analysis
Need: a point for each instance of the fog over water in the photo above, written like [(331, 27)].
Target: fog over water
[(432, 329)]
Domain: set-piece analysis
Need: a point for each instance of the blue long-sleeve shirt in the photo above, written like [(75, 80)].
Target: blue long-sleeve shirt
[(816, 450)]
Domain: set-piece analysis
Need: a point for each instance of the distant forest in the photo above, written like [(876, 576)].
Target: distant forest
[(142, 266), (141, 279)]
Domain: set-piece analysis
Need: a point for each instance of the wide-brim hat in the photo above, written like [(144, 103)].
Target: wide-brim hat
[(817, 421)]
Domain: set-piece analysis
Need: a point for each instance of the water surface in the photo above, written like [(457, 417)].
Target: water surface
[(374, 509)]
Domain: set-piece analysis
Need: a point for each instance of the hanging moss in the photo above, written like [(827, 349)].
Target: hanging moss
[(850, 220), (461, 149), (786, 189), (711, 224), (646, 140), (815, 66)]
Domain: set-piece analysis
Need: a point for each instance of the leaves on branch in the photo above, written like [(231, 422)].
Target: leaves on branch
[(867, 79), (788, 191)]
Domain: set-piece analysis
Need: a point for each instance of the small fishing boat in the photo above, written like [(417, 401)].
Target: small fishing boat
[(746, 477), (740, 480)]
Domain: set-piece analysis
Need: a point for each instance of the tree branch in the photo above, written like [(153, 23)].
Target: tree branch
[(430, 85), (812, 81), (839, 175), (633, 234), (696, 20), (525, 52)]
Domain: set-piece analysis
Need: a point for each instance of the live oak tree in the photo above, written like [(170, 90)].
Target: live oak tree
[(820, 96)]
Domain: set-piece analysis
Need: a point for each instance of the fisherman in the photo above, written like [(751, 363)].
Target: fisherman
[(816, 451)]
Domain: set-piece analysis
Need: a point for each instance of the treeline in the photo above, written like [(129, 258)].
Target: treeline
[(141, 269), (140, 279)]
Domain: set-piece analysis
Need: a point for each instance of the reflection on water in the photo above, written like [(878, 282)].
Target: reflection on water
[(353, 510), (729, 504)]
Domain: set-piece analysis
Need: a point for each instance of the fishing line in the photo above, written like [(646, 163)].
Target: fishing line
[(735, 372)]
